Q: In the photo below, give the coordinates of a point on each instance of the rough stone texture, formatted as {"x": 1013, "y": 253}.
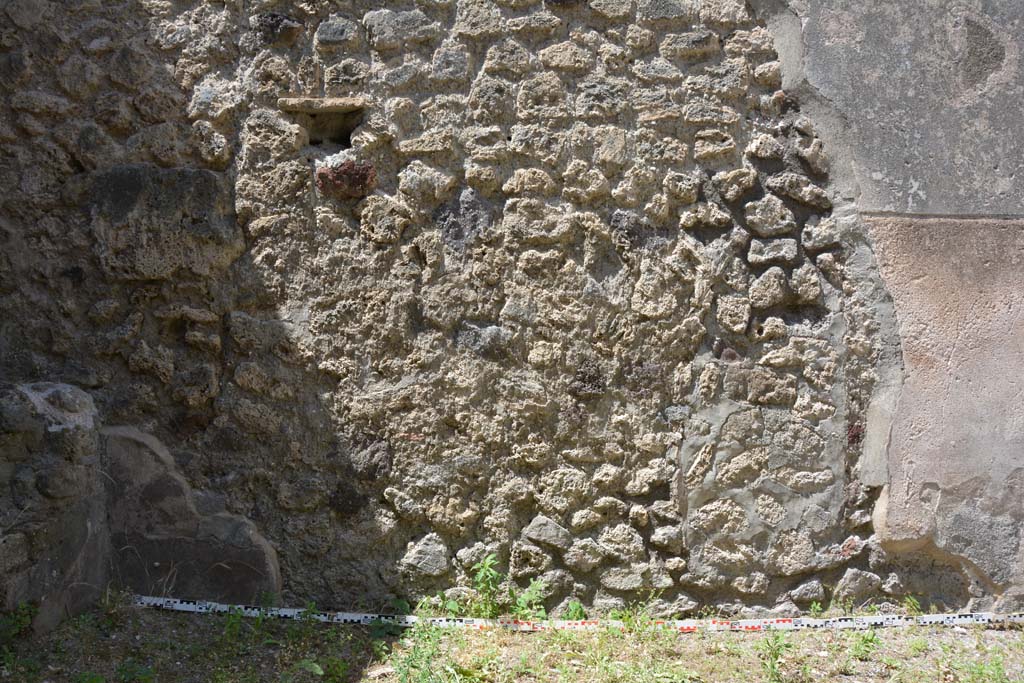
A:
{"x": 956, "y": 474}
{"x": 347, "y": 180}
{"x": 54, "y": 539}
{"x": 938, "y": 139}
{"x": 546, "y": 331}
{"x": 161, "y": 542}
{"x": 86, "y": 506}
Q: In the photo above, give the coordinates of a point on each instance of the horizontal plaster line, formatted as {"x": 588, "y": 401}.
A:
{"x": 944, "y": 216}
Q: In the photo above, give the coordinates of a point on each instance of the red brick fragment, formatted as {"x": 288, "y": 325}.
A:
{"x": 349, "y": 180}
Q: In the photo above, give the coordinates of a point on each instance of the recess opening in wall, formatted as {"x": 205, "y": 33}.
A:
{"x": 328, "y": 120}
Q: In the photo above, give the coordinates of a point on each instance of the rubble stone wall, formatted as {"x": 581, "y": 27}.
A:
{"x": 563, "y": 281}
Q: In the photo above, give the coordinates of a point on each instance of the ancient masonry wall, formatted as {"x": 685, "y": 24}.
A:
{"x": 564, "y": 281}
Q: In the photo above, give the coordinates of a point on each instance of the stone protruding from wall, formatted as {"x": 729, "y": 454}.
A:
{"x": 162, "y": 545}
{"x": 54, "y": 538}
{"x": 86, "y": 508}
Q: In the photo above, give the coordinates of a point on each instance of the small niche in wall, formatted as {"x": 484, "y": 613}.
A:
{"x": 328, "y": 120}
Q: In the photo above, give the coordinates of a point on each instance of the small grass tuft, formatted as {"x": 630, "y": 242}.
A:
{"x": 864, "y": 644}
{"x": 575, "y": 611}
{"x": 529, "y": 604}
{"x": 912, "y": 606}
{"x": 772, "y": 651}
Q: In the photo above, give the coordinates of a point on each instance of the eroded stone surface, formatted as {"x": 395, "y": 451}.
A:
{"x": 955, "y": 463}
{"x": 600, "y": 314}
{"x": 161, "y": 543}
{"x": 85, "y": 508}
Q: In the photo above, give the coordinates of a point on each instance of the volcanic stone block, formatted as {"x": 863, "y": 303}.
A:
{"x": 150, "y": 222}
{"x": 163, "y": 545}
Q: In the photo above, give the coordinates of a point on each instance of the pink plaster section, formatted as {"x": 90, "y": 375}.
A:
{"x": 956, "y": 448}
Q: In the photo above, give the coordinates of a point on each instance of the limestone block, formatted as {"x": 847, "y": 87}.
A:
{"x": 769, "y": 217}
{"x": 666, "y": 11}
{"x": 548, "y": 532}
{"x": 769, "y": 289}
{"x": 389, "y": 30}
{"x": 339, "y": 33}
{"x": 477, "y": 19}
{"x": 427, "y": 557}
{"x": 691, "y": 46}
{"x": 275, "y": 28}
{"x": 798, "y": 188}
{"x": 781, "y": 251}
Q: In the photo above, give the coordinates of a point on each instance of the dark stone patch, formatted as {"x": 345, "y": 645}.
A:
{"x": 854, "y": 434}
{"x": 336, "y": 32}
{"x": 346, "y": 499}
{"x": 599, "y": 98}
{"x": 983, "y": 54}
{"x": 117, "y": 190}
{"x": 588, "y": 381}
{"x": 274, "y": 28}
{"x": 487, "y": 341}
{"x": 74, "y": 273}
{"x": 464, "y": 219}
{"x": 636, "y": 231}
{"x": 150, "y": 221}
{"x": 334, "y": 128}
{"x": 373, "y": 462}
{"x": 15, "y": 67}
{"x": 192, "y": 569}
{"x": 629, "y": 227}
{"x": 161, "y": 489}
{"x": 643, "y": 376}
{"x": 350, "y": 180}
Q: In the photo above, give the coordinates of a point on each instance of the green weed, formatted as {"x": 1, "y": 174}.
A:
{"x": 486, "y": 582}
{"x": 771, "y": 651}
{"x": 917, "y": 646}
{"x": 864, "y": 645}
{"x": 912, "y": 606}
{"x": 400, "y": 606}
{"x": 708, "y": 612}
{"x": 131, "y": 671}
{"x": 635, "y": 618}
{"x": 384, "y": 629}
{"x": 89, "y": 677}
{"x": 114, "y": 607}
{"x": 984, "y": 671}
{"x": 529, "y": 605}
{"x": 843, "y": 605}
{"x": 574, "y": 611}
{"x": 15, "y": 624}
{"x": 308, "y": 666}
{"x": 380, "y": 649}
{"x": 232, "y": 628}
{"x": 335, "y": 670}
{"x": 419, "y": 659}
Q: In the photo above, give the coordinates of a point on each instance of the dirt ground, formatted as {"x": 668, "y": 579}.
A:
{"x": 118, "y": 643}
